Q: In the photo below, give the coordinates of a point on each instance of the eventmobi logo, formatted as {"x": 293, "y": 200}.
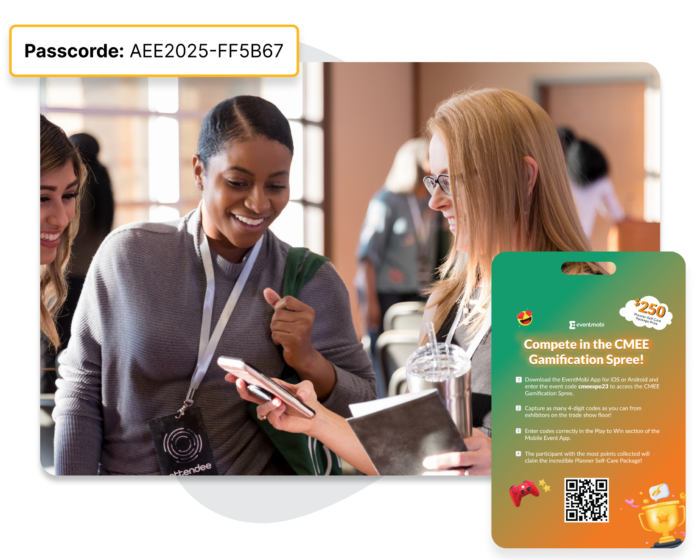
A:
{"x": 573, "y": 325}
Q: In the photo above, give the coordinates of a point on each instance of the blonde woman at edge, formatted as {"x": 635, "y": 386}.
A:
{"x": 62, "y": 175}
{"x": 498, "y": 176}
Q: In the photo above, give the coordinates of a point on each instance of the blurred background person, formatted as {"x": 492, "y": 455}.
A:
{"x": 399, "y": 248}
{"x": 588, "y": 171}
{"x": 96, "y": 217}
{"x": 566, "y": 137}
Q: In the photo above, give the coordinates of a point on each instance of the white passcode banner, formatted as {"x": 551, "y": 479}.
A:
{"x": 132, "y": 50}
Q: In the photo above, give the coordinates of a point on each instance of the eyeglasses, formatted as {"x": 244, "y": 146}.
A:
{"x": 432, "y": 182}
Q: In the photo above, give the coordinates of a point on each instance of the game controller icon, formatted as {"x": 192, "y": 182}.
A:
{"x": 517, "y": 492}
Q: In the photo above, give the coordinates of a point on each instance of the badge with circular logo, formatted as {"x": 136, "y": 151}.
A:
{"x": 182, "y": 445}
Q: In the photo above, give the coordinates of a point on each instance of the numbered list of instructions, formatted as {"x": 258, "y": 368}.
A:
{"x": 595, "y": 399}
{"x": 605, "y": 403}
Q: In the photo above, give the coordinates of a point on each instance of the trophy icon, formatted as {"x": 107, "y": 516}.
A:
{"x": 663, "y": 517}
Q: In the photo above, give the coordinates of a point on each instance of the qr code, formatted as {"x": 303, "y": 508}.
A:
{"x": 586, "y": 500}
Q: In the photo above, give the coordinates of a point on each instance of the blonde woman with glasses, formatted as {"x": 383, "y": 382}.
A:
{"x": 498, "y": 176}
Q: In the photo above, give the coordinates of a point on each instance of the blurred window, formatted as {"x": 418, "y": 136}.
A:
{"x": 148, "y": 128}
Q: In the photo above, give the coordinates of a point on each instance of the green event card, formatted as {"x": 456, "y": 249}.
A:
{"x": 588, "y": 402}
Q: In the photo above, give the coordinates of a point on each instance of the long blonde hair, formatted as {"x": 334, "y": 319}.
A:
{"x": 487, "y": 133}
{"x": 407, "y": 171}
{"x": 56, "y": 151}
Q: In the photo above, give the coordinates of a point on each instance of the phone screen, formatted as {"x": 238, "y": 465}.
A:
{"x": 260, "y": 392}
{"x": 283, "y": 390}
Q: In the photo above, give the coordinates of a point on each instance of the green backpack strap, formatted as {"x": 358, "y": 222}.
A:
{"x": 299, "y": 270}
{"x": 306, "y": 455}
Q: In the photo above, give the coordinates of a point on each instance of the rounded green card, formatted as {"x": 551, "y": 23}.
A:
{"x": 588, "y": 384}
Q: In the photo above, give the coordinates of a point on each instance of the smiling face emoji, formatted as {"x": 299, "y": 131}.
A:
{"x": 525, "y": 318}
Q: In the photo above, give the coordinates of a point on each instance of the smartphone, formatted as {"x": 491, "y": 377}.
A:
{"x": 252, "y": 377}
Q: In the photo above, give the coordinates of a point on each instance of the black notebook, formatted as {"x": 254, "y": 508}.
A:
{"x": 399, "y": 432}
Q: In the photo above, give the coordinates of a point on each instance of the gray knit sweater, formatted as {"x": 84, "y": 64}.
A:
{"x": 134, "y": 345}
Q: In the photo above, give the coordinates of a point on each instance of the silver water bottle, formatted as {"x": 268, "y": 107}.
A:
{"x": 450, "y": 373}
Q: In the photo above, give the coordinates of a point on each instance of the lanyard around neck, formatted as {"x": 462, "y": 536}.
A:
{"x": 207, "y": 344}
{"x": 421, "y": 226}
{"x": 477, "y": 339}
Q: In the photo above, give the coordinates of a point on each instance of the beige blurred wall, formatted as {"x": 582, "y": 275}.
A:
{"x": 370, "y": 113}
{"x": 438, "y": 81}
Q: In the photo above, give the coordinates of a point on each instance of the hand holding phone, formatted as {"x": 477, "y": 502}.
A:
{"x": 253, "y": 378}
